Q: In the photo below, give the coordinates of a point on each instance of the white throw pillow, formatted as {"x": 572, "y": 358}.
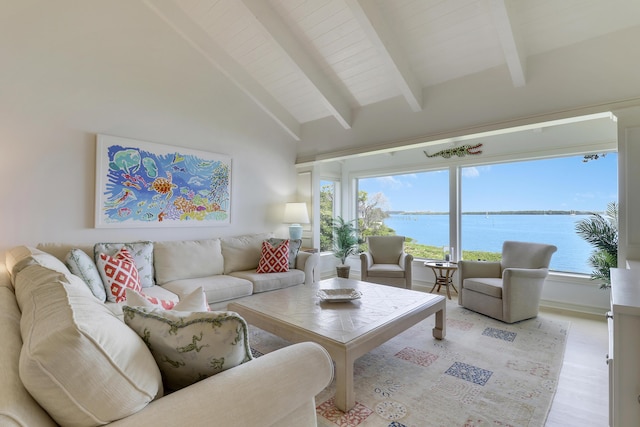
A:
{"x": 189, "y": 347}
{"x": 195, "y": 301}
{"x": 83, "y": 266}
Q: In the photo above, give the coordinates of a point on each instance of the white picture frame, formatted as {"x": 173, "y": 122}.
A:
{"x": 145, "y": 184}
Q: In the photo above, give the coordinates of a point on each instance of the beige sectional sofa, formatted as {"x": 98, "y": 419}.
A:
{"x": 68, "y": 359}
{"x": 224, "y": 267}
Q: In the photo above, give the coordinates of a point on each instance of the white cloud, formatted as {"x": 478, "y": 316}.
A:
{"x": 392, "y": 182}
{"x": 471, "y": 172}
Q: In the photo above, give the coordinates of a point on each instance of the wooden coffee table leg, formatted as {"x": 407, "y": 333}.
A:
{"x": 345, "y": 397}
{"x": 440, "y": 331}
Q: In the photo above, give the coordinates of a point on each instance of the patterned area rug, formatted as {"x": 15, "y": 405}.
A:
{"x": 485, "y": 373}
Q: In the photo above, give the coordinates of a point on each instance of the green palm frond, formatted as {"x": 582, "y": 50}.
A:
{"x": 601, "y": 231}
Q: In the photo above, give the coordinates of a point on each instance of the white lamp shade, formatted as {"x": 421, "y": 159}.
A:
{"x": 296, "y": 214}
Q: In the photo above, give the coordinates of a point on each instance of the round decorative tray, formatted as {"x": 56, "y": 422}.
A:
{"x": 339, "y": 295}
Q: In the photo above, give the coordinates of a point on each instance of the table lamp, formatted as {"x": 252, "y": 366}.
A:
{"x": 296, "y": 214}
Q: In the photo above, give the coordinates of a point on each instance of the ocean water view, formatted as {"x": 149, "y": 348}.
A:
{"x": 488, "y": 232}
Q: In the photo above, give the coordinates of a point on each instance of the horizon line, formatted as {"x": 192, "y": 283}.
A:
{"x": 508, "y": 212}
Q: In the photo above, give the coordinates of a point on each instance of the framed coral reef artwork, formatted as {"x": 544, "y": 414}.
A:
{"x": 144, "y": 184}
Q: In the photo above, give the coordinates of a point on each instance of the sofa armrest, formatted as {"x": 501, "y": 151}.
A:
{"x": 267, "y": 391}
{"x": 308, "y": 262}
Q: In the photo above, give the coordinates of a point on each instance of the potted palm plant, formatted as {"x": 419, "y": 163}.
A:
{"x": 601, "y": 231}
{"x": 345, "y": 243}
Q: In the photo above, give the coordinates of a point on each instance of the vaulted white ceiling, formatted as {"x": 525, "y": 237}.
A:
{"x": 305, "y": 60}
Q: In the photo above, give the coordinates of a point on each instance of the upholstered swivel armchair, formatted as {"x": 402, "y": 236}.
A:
{"x": 508, "y": 290}
{"x": 386, "y": 262}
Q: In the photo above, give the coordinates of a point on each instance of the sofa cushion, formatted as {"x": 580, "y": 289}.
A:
{"x": 216, "y": 288}
{"x": 60, "y": 250}
{"x": 17, "y": 407}
{"x": 386, "y": 270}
{"x": 294, "y": 248}
{"x": 81, "y": 363}
{"x": 263, "y": 282}
{"x": 142, "y": 253}
{"x": 189, "y": 347}
{"x": 83, "y": 266}
{"x": 274, "y": 259}
{"x": 486, "y": 285}
{"x": 187, "y": 259}
{"x": 118, "y": 273}
{"x": 195, "y": 301}
{"x": 242, "y": 252}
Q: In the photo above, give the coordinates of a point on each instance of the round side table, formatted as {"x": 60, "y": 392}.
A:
{"x": 444, "y": 275}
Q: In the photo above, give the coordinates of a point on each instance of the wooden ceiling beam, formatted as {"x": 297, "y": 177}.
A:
{"x": 371, "y": 21}
{"x": 276, "y": 30}
{"x": 175, "y": 17}
{"x": 512, "y": 49}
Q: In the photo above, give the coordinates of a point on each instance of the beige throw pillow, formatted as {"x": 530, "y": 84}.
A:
{"x": 82, "y": 364}
{"x": 242, "y": 252}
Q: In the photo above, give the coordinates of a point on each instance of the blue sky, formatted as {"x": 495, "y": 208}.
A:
{"x": 553, "y": 184}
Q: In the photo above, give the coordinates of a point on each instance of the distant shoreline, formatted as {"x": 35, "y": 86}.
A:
{"x": 549, "y": 212}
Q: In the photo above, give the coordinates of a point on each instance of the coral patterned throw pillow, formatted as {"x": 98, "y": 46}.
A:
{"x": 119, "y": 272}
{"x": 274, "y": 259}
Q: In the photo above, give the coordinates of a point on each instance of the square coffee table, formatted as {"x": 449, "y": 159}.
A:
{"x": 348, "y": 329}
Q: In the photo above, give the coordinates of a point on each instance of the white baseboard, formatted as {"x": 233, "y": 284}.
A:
{"x": 595, "y": 312}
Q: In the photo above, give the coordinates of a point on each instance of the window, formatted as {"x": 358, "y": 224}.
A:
{"x": 413, "y": 205}
{"x": 536, "y": 201}
{"x": 328, "y": 197}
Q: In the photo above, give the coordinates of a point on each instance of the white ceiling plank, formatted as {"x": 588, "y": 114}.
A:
{"x": 513, "y": 52}
{"x": 276, "y": 29}
{"x": 175, "y": 17}
{"x": 374, "y": 26}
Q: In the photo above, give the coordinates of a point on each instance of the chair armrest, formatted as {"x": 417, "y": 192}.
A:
{"x": 366, "y": 261}
{"x": 478, "y": 269}
{"x": 308, "y": 262}
{"x": 509, "y": 274}
{"x": 405, "y": 260}
{"x": 258, "y": 393}
{"x": 521, "y": 292}
{"x": 522, "y": 283}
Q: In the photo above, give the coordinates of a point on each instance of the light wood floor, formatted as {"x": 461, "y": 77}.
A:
{"x": 582, "y": 397}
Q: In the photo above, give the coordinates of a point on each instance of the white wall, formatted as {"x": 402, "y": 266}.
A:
{"x": 48, "y": 176}
{"x": 116, "y": 68}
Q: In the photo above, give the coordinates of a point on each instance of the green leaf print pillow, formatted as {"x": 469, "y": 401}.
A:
{"x": 190, "y": 346}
